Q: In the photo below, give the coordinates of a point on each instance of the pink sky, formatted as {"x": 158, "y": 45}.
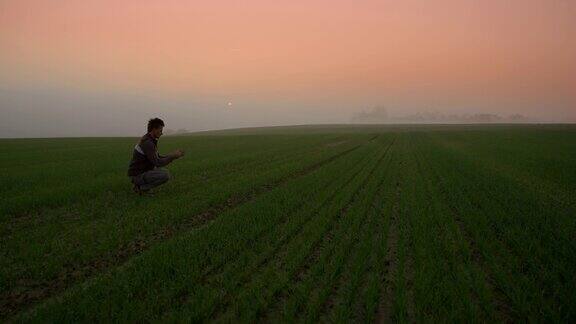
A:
{"x": 488, "y": 55}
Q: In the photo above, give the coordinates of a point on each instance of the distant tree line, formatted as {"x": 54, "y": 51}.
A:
{"x": 463, "y": 118}
{"x": 379, "y": 114}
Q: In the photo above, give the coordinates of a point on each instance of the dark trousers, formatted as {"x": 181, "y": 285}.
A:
{"x": 151, "y": 179}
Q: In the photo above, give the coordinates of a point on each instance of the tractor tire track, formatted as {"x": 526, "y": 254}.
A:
{"x": 498, "y": 233}
{"x": 407, "y": 239}
{"x": 216, "y": 270}
{"x": 277, "y": 254}
{"x": 500, "y": 301}
{"x": 263, "y": 161}
{"x": 360, "y": 311}
{"x": 284, "y": 219}
{"x": 330, "y": 301}
{"x": 342, "y": 272}
{"x": 320, "y": 245}
{"x": 409, "y": 274}
{"x": 314, "y": 256}
{"x": 29, "y": 293}
{"x": 384, "y": 311}
{"x": 303, "y": 273}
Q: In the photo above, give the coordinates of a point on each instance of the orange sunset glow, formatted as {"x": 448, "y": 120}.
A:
{"x": 220, "y": 63}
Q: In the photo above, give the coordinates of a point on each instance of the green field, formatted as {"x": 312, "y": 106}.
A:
{"x": 331, "y": 224}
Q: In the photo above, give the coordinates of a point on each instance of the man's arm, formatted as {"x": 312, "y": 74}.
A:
{"x": 153, "y": 156}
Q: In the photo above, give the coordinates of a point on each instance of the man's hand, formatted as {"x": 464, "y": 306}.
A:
{"x": 177, "y": 154}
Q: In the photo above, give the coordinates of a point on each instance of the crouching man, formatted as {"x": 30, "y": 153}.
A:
{"x": 145, "y": 169}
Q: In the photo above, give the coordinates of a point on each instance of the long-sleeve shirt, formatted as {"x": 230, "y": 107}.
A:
{"x": 145, "y": 156}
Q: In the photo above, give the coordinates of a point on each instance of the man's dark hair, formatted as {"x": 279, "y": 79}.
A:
{"x": 155, "y": 123}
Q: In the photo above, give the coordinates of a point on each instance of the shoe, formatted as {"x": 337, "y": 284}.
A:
{"x": 148, "y": 193}
{"x": 137, "y": 190}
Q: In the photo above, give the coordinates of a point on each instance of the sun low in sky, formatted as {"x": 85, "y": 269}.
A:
{"x": 284, "y": 61}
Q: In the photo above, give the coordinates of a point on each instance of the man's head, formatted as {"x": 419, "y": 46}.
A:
{"x": 155, "y": 126}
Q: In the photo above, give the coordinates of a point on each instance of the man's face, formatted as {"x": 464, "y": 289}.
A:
{"x": 157, "y": 132}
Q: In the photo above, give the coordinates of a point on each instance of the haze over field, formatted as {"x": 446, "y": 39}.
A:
{"x": 101, "y": 68}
